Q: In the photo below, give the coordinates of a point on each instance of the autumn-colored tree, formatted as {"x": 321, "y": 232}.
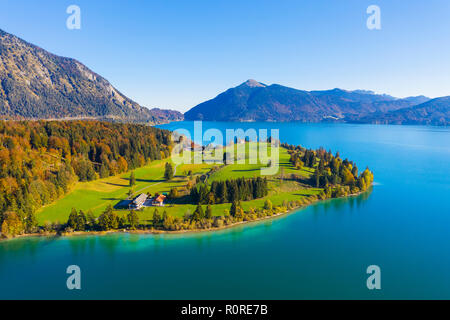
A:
{"x": 12, "y": 225}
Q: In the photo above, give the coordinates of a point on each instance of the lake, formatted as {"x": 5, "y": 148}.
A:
{"x": 322, "y": 252}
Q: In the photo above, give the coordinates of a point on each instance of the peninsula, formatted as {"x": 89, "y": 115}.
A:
{"x": 90, "y": 176}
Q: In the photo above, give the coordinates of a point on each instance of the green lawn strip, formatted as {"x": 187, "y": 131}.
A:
{"x": 96, "y": 195}
{"x": 146, "y": 214}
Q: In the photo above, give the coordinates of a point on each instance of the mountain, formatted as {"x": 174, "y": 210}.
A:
{"x": 164, "y": 115}
{"x": 433, "y": 112}
{"x": 255, "y": 101}
{"x": 36, "y": 84}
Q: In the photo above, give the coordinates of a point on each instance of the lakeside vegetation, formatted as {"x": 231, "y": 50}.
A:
{"x": 41, "y": 161}
{"x": 203, "y": 196}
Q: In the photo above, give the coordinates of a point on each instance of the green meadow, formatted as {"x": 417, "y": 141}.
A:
{"x": 99, "y": 194}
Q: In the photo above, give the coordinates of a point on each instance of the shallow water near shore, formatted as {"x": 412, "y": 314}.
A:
{"x": 320, "y": 252}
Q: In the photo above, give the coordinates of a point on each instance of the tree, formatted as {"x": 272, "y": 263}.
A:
{"x": 123, "y": 222}
{"x": 81, "y": 221}
{"x": 31, "y": 224}
{"x": 73, "y": 220}
{"x": 108, "y": 220}
{"x": 91, "y": 220}
{"x": 12, "y": 225}
{"x": 168, "y": 173}
{"x": 268, "y": 205}
{"x": 132, "y": 179}
{"x": 240, "y": 214}
{"x": 173, "y": 193}
{"x": 156, "y": 218}
{"x": 208, "y": 214}
{"x": 198, "y": 215}
{"x": 317, "y": 178}
{"x": 234, "y": 208}
{"x": 299, "y": 164}
{"x": 133, "y": 220}
{"x": 355, "y": 171}
{"x": 227, "y": 158}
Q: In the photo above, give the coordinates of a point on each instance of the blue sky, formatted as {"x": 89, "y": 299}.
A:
{"x": 176, "y": 54}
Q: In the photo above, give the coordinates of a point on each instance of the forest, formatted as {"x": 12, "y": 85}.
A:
{"x": 336, "y": 176}
{"x": 41, "y": 160}
{"x": 231, "y": 190}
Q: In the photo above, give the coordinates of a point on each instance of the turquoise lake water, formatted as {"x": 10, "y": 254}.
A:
{"x": 321, "y": 252}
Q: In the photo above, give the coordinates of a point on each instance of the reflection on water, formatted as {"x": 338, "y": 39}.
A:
{"x": 116, "y": 242}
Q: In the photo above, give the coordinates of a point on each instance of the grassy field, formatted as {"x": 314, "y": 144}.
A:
{"x": 97, "y": 195}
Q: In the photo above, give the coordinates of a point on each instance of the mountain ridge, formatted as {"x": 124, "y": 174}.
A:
{"x": 255, "y": 101}
{"x": 37, "y": 84}
{"x": 433, "y": 112}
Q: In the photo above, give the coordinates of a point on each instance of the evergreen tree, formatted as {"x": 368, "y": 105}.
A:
{"x": 91, "y": 220}
{"x": 317, "y": 179}
{"x": 132, "y": 179}
{"x": 208, "y": 214}
{"x": 164, "y": 216}
{"x": 73, "y": 219}
{"x": 31, "y": 224}
{"x": 168, "y": 173}
{"x": 198, "y": 215}
{"x": 133, "y": 220}
{"x": 234, "y": 208}
{"x": 122, "y": 222}
{"x": 156, "y": 218}
{"x": 81, "y": 221}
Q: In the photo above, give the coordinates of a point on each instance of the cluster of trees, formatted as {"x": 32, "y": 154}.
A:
{"x": 229, "y": 191}
{"x": 338, "y": 177}
{"x": 108, "y": 220}
{"x": 41, "y": 160}
{"x": 202, "y": 217}
{"x": 301, "y": 157}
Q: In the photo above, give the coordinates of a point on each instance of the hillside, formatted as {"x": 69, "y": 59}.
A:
{"x": 35, "y": 84}
{"x": 40, "y": 161}
{"x": 255, "y": 101}
{"x": 433, "y": 112}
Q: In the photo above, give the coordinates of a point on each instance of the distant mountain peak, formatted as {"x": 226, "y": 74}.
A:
{"x": 255, "y": 101}
{"x": 253, "y": 84}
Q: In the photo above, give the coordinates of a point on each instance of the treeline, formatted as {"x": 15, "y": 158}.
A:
{"x": 201, "y": 218}
{"x": 338, "y": 177}
{"x": 108, "y": 220}
{"x": 40, "y": 160}
{"x": 229, "y": 191}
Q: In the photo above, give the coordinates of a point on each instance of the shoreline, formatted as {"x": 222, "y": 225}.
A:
{"x": 157, "y": 232}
